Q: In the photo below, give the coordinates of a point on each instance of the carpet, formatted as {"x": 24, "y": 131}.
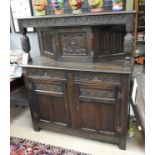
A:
{"x": 20, "y": 146}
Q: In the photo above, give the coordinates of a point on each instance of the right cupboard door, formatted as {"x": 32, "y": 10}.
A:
{"x": 97, "y": 107}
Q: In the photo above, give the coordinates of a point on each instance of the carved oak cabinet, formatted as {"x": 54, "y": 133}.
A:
{"x": 81, "y": 81}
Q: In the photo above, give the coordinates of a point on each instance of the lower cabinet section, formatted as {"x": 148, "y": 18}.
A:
{"x": 95, "y": 108}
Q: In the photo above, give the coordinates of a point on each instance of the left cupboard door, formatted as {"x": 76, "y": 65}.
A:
{"x": 49, "y": 102}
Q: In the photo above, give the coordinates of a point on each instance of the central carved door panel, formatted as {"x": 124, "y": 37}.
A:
{"x": 73, "y": 43}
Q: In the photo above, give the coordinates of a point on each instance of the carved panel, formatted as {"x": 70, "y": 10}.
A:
{"x": 97, "y": 77}
{"x": 45, "y": 73}
{"x": 70, "y": 20}
{"x": 73, "y": 44}
{"x": 97, "y": 93}
{"x": 47, "y": 41}
{"x": 111, "y": 40}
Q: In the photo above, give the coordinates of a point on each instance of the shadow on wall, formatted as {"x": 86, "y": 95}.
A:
{"x": 16, "y": 45}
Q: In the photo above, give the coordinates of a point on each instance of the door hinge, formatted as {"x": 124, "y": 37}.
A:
{"x": 119, "y": 129}
{"x": 120, "y": 96}
{"x": 91, "y": 35}
{"x": 35, "y": 115}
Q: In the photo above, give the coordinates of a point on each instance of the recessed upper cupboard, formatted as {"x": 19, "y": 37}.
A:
{"x": 82, "y": 44}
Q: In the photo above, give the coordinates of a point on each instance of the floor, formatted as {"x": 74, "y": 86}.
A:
{"x": 21, "y": 126}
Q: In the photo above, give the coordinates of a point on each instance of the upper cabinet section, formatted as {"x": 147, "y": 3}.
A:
{"x": 86, "y": 35}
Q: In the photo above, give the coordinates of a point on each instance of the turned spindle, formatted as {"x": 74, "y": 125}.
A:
{"x": 25, "y": 43}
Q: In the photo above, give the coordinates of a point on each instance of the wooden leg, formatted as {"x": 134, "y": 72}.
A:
{"x": 122, "y": 144}
{"x": 35, "y": 125}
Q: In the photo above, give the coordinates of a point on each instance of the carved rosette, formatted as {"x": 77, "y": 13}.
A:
{"x": 73, "y": 44}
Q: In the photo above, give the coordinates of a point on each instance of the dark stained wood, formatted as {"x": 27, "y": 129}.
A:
{"x": 108, "y": 42}
{"x": 106, "y": 137}
{"x": 45, "y": 63}
{"x": 72, "y": 43}
{"x": 81, "y": 44}
{"x": 46, "y": 42}
{"x": 94, "y": 105}
{"x": 80, "y": 83}
{"x": 103, "y": 18}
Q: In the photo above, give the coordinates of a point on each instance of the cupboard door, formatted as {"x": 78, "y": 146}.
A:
{"x": 46, "y": 42}
{"x": 97, "y": 107}
{"x": 74, "y": 44}
{"x": 51, "y": 101}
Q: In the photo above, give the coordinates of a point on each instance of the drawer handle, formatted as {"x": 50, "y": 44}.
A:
{"x": 119, "y": 129}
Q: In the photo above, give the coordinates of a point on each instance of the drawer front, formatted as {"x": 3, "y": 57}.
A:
{"x": 96, "y": 77}
{"x": 46, "y": 73}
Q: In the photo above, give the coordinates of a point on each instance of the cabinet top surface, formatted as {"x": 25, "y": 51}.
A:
{"x": 118, "y": 67}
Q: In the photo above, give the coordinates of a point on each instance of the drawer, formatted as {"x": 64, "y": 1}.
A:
{"x": 46, "y": 74}
{"x": 93, "y": 77}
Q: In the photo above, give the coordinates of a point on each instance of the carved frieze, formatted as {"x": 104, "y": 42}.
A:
{"x": 73, "y": 44}
{"x": 97, "y": 77}
{"x": 45, "y": 73}
{"x": 70, "y": 20}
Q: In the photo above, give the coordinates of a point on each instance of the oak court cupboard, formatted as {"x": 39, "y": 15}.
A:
{"x": 80, "y": 83}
